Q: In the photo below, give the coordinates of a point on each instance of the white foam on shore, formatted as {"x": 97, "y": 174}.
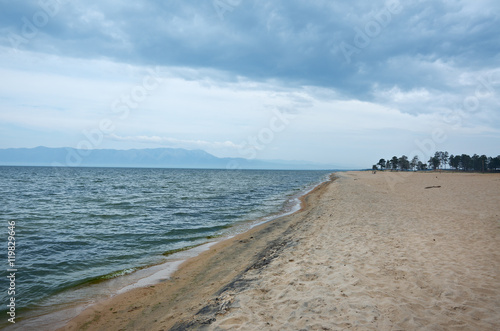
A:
{"x": 163, "y": 271}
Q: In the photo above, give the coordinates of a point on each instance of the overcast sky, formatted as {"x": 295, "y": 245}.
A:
{"x": 338, "y": 82}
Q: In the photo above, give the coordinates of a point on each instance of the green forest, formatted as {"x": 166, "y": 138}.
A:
{"x": 441, "y": 161}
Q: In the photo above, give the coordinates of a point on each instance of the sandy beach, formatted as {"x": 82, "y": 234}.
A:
{"x": 384, "y": 251}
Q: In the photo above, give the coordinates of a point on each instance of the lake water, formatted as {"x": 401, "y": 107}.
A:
{"x": 78, "y": 227}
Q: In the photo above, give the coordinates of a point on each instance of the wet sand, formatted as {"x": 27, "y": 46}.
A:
{"x": 385, "y": 251}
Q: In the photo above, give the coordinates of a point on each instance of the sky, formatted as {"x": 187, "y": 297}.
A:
{"x": 332, "y": 82}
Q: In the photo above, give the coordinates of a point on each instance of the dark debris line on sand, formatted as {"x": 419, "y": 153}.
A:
{"x": 225, "y": 296}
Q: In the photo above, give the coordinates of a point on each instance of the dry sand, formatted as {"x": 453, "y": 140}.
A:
{"x": 367, "y": 252}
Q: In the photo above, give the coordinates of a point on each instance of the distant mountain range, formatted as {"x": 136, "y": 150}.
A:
{"x": 141, "y": 158}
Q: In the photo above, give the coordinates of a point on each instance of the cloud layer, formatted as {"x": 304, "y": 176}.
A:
{"x": 226, "y": 64}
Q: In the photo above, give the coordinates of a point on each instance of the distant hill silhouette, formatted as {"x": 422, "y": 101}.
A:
{"x": 147, "y": 158}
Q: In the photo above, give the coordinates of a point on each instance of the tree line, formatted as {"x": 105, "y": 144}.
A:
{"x": 441, "y": 160}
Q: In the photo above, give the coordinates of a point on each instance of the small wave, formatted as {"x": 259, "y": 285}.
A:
{"x": 119, "y": 273}
{"x": 89, "y": 281}
{"x": 112, "y": 216}
{"x": 183, "y": 213}
{"x": 182, "y": 249}
{"x": 121, "y": 204}
{"x": 183, "y": 232}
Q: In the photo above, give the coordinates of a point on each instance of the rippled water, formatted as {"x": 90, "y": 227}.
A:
{"x": 76, "y": 226}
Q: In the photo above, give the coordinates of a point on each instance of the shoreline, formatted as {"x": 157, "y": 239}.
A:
{"x": 365, "y": 251}
{"x": 151, "y": 275}
{"x": 194, "y": 269}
